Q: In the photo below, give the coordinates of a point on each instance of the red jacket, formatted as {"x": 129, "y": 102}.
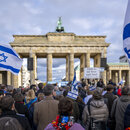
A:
{"x": 119, "y": 92}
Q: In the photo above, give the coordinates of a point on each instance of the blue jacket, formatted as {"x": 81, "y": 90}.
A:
{"x": 31, "y": 102}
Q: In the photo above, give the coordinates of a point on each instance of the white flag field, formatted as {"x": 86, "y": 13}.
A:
{"x": 9, "y": 59}
{"x": 126, "y": 33}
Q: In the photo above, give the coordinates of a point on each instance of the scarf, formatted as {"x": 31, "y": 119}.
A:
{"x": 63, "y": 122}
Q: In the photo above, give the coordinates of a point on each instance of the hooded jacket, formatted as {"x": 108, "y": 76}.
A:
{"x": 99, "y": 112}
{"x": 122, "y": 104}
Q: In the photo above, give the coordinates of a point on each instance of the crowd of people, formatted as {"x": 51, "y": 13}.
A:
{"x": 48, "y": 107}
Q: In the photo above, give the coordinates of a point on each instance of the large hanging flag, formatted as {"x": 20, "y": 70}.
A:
{"x": 126, "y": 33}
{"x": 9, "y": 59}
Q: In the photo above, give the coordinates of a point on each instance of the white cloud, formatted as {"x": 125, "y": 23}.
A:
{"x": 84, "y": 17}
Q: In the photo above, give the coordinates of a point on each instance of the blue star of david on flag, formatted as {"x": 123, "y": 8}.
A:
{"x": 9, "y": 59}
{"x": 3, "y": 57}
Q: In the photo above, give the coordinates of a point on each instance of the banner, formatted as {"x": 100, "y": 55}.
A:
{"x": 91, "y": 73}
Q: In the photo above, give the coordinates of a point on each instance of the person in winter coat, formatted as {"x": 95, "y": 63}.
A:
{"x": 8, "y": 110}
{"x": 100, "y": 83}
{"x": 30, "y": 101}
{"x": 127, "y": 118}
{"x": 46, "y": 110}
{"x": 40, "y": 86}
{"x": 81, "y": 106}
{"x": 110, "y": 97}
{"x": 121, "y": 105}
{"x": 98, "y": 110}
{"x": 64, "y": 121}
{"x": 30, "y": 98}
{"x": 19, "y": 105}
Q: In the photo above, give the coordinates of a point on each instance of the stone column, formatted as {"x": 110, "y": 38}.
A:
{"x": 49, "y": 67}
{"x": 104, "y": 77}
{"x": 116, "y": 77}
{"x": 82, "y": 65}
{"x": 128, "y": 78}
{"x": 8, "y": 78}
{"x": 87, "y": 60}
{"x": 97, "y": 60}
{"x": 110, "y": 74}
{"x": 34, "y": 72}
{"x": 1, "y": 78}
{"x": 120, "y": 76}
{"x": 15, "y": 81}
{"x": 67, "y": 68}
{"x": 71, "y": 66}
{"x": 20, "y": 78}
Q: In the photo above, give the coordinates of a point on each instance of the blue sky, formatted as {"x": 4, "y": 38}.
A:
{"x": 82, "y": 17}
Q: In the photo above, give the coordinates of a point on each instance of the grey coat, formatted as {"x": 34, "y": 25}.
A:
{"x": 99, "y": 112}
{"x": 120, "y": 105}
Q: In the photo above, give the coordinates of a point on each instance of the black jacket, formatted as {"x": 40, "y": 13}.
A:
{"x": 22, "y": 109}
{"x": 22, "y": 119}
{"x": 127, "y": 117}
{"x": 110, "y": 98}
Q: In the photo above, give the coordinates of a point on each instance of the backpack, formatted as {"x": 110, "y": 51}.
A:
{"x": 10, "y": 123}
{"x": 100, "y": 125}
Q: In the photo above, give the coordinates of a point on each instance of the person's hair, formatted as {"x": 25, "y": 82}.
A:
{"x": 65, "y": 107}
{"x": 33, "y": 86}
{"x": 110, "y": 87}
{"x": 58, "y": 97}
{"x": 2, "y": 86}
{"x": 6, "y": 102}
{"x": 48, "y": 89}
{"x": 79, "y": 100}
{"x": 18, "y": 97}
{"x": 10, "y": 88}
{"x": 65, "y": 93}
{"x": 30, "y": 95}
{"x": 97, "y": 95}
{"x": 125, "y": 91}
{"x": 40, "y": 97}
{"x": 40, "y": 85}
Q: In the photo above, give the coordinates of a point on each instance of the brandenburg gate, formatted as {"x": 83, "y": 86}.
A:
{"x": 59, "y": 45}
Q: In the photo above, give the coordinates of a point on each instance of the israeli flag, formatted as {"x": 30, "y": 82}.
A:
{"x": 73, "y": 94}
{"x": 126, "y": 33}
{"x": 74, "y": 83}
{"x": 9, "y": 59}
